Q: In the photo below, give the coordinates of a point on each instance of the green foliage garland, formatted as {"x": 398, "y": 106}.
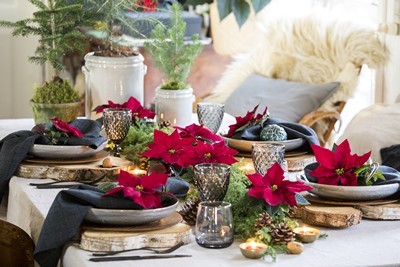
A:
{"x": 170, "y": 53}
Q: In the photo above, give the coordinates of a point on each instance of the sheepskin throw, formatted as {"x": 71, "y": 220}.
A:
{"x": 307, "y": 49}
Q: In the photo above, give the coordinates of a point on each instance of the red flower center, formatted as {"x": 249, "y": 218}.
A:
{"x": 339, "y": 171}
{"x": 171, "y": 151}
{"x": 139, "y": 188}
{"x": 207, "y": 155}
{"x": 274, "y": 187}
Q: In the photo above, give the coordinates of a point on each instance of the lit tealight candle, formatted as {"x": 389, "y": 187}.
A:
{"x": 138, "y": 172}
{"x": 253, "y": 250}
{"x": 306, "y": 234}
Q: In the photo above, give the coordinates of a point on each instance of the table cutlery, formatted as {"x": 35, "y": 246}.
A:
{"x": 56, "y": 184}
{"x": 133, "y": 258}
{"x": 164, "y": 251}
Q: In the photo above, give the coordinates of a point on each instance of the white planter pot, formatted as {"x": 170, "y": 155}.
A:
{"x": 174, "y": 106}
{"x": 112, "y": 78}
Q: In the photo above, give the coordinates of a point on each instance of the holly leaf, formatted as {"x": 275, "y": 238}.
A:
{"x": 224, "y": 8}
{"x": 241, "y": 10}
{"x": 258, "y": 5}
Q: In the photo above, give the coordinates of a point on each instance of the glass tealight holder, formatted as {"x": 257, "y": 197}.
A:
{"x": 117, "y": 122}
{"x": 214, "y": 224}
{"x": 212, "y": 180}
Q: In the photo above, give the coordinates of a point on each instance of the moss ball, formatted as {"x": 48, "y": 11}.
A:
{"x": 273, "y": 132}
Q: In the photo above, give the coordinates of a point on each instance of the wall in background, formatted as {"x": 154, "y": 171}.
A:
{"x": 17, "y": 75}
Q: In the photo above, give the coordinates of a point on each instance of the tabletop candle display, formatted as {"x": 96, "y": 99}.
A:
{"x": 253, "y": 250}
{"x": 307, "y": 234}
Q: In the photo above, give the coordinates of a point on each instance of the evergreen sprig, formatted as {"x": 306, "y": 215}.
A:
{"x": 171, "y": 53}
{"x": 57, "y": 24}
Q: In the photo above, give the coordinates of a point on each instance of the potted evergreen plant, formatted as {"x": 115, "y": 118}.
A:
{"x": 115, "y": 72}
{"x": 57, "y": 25}
{"x": 174, "y": 56}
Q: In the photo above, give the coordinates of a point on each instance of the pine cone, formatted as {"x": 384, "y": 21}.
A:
{"x": 189, "y": 211}
{"x": 263, "y": 220}
{"x": 144, "y": 163}
{"x": 282, "y": 234}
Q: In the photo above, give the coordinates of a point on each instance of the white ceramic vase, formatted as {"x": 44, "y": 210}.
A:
{"x": 174, "y": 106}
{"x": 112, "y": 78}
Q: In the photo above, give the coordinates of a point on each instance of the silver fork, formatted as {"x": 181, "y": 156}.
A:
{"x": 157, "y": 251}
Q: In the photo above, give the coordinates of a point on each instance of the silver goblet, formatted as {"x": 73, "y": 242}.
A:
{"x": 211, "y": 115}
{"x": 116, "y": 122}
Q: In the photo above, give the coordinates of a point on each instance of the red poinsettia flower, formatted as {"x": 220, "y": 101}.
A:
{"x": 208, "y": 153}
{"x": 248, "y": 120}
{"x": 146, "y": 5}
{"x": 133, "y": 104}
{"x": 167, "y": 147}
{"x": 337, "y": 167}
{"x": 198, "y": 131}
{"x": 142, "y": 190}
{"x": 273, "y": 188}
{"x": 66, "y": 128}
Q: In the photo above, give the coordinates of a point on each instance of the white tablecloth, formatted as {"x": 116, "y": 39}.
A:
{"x": 371, "y": 243}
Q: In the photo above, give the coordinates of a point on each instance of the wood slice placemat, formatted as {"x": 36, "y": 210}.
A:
{"x": 94, "y": 240}
{"x": 72, "y": 172}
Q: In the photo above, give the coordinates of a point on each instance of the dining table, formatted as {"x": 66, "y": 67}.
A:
{"x": 370, "y": 243}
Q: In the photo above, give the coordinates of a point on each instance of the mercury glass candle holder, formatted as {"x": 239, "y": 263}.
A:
{"x": 116, "y": 122}
{"x": 265, "y": 155}
{"x": 214, "y": 224}
{"x": 211, "y": 115}
{"x": 212, "y": 180}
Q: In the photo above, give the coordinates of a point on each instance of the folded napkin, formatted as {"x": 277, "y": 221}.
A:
{"x": 293, "y": 130}
{"x": 68, "y": 211}
{"x": 391, "y": 156}
{"x": 391, "y": 175}
{"x": 15, "y": 146}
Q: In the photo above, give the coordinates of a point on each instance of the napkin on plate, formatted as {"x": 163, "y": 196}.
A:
{"x": 15, "y": 146}
{"x": 391, "y": 175}
{"x": 293, "y": 130}
{"x": 66, "y": 215}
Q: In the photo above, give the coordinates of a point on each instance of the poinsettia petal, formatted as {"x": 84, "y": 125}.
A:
{"x": 348, "y": 179}
{"x": 275, "y": 174}
{"x": 342, "y": 154}
{"x": 329, "y": 180}
{"x": 295, "y": 186}
{"x": 257, "y": 180}
{"x": 289, "y": 198}
{"x": 127, "y": 179}
{"x": 257, "y": 192}
{"x": 154, "y": 180}
{"x": 131, "y": 192}
{"x": 324, "y": 156}
{"x": 322, "y": 171}
{"x": 271, "y": 197}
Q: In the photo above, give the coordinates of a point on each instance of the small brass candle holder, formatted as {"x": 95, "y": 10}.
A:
{"x": 306, "y": 234}
{"x": 253, "y": 250}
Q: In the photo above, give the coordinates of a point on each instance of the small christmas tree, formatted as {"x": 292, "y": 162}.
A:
{"x": 171, "y": 53}
{"x": 57, "y": 24}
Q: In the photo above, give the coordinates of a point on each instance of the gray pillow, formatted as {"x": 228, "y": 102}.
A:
{"x": 285, "y": 100}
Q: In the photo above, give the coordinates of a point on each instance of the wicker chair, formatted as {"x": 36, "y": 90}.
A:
{"x": 16, "y": 247}
{"x": 313, "y": 50}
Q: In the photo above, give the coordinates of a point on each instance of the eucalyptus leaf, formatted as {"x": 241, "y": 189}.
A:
{"x": 241, "y": 10}
{"x": 300, "y": 200}
{"x": 258, "y": 5}
{"x": 224, "y": 8}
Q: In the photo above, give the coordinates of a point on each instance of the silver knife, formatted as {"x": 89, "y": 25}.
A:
{"x": 134, "y": 258}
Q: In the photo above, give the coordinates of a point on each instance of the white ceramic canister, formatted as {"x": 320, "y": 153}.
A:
{"x": 112, "y": 78}
{"x": 174, "y": 106}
